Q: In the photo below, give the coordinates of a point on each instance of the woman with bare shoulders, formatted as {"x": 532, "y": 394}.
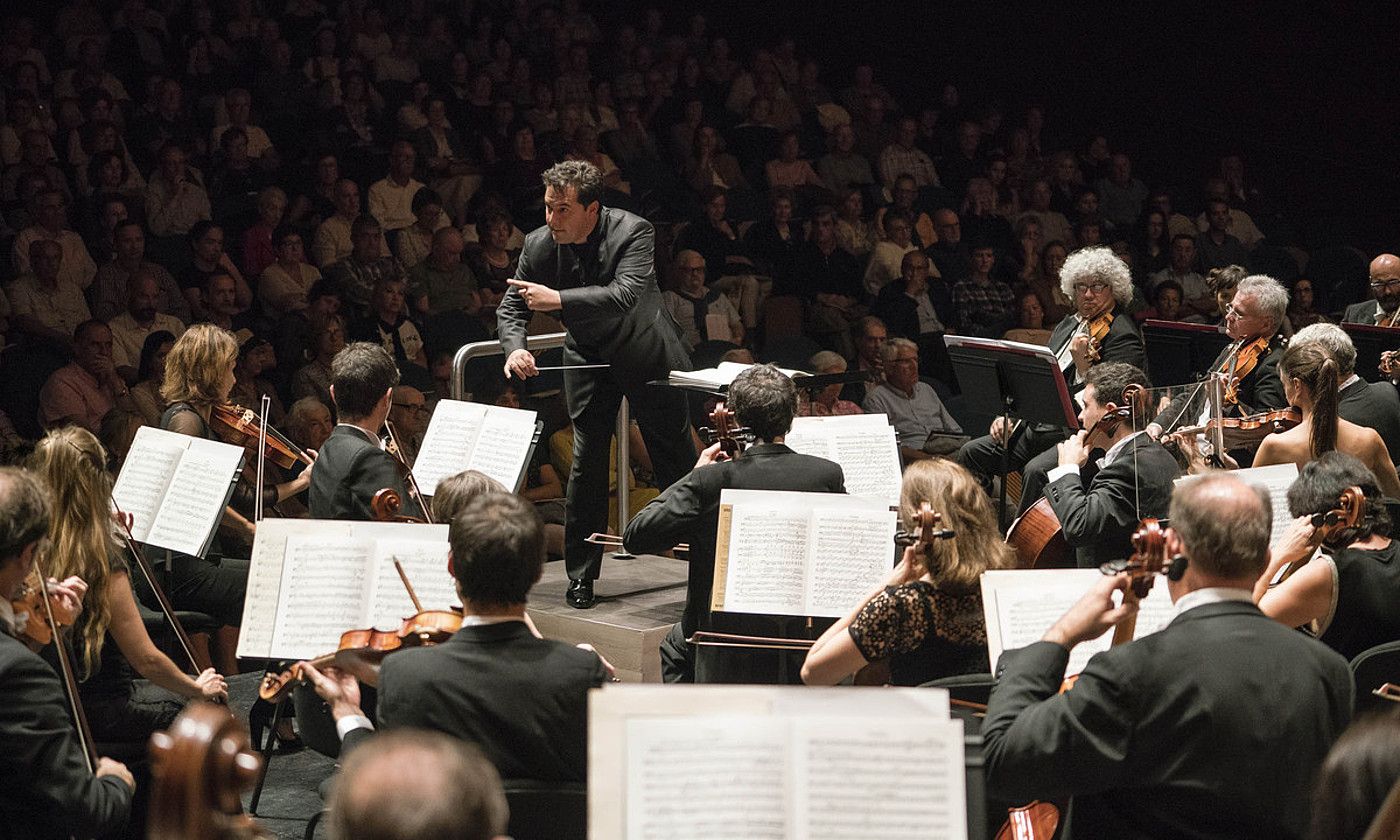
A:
{"x": 1310, "y": 381}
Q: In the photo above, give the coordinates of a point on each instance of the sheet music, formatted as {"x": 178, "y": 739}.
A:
{"x": 1021, "y": 605}
{"x": 1275, "y": 478}
{"x": 842, "y": 774}
{"x": 195, "y": 498}
{"x": 145, "y": 474}
{"x": 721, "y": 376}
{"x": 692, "y": 778}
{"x": 425, "y": 563}
{"x": 311, "y": 580}
{"x": 783, "y": 762}
{"x": 793, "y": 553}
{"x": 465, "y": 435}
{"x": 325, "y": 581}
{"x": 865, "y": 445}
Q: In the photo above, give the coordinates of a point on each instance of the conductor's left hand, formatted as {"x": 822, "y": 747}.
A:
{"x": 537, "y": 297}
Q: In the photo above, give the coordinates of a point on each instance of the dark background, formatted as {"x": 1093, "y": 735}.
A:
{"x": 1307, "y": 92}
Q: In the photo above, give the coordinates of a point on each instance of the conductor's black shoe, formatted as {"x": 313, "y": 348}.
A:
{"x": 580, "y": 594}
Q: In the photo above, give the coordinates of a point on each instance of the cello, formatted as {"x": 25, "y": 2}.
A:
{"x": 199, "y": 766}
{"x": 1348, "y": 512}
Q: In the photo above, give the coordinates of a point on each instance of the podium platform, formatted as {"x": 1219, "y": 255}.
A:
{"x": 638, "y": 601}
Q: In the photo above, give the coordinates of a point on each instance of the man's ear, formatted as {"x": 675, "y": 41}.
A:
{"x": 451, "y": 564}
{"x": 333, "y": 399}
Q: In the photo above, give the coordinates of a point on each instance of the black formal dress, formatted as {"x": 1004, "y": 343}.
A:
{"x": 46, "y": 788}
{"x": 1101, "y": 506}
{"x": 350, "y": 469}
{"x": 1033, "y": 448}
{"x": 688, "y": 511}
{"x": 1375, "y": 405}
{"x": 523, "y": 700}
{"x": 612, "y": 310}
{"x": 1213, "y": 727}
{"x": 923, "y": 631}
{"x": 1366, "y": 586}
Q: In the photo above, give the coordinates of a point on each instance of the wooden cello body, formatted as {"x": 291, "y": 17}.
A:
{"x": 1039, "y": 540}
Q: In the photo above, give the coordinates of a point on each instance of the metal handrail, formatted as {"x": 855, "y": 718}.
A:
{"x": 549, "y": 341}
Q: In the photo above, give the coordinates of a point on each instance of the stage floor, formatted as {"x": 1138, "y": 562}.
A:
{"x": 638, "y": 601}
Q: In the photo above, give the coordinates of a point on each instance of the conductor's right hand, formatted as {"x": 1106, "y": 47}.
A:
{"x": 521, "y": 364}
{"x": 108, "y": 767}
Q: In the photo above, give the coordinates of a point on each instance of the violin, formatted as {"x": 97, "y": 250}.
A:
{"x": 726, "y": 431}
{"x": 391, "y": 446}
{"x": 1098, "y": 331}
{"x": 30, "y": 609}
{"x": 1036, "y": 821}
{"x": 1348, "y": 512}
{"x": 241, "y": 427}
{"x": 1245, "y": 358}
{"x": 1244, "y": 432}
{"x": 199, "y": 768}
{"x": 920, "y": 537}
{"x": 360, "y": 651}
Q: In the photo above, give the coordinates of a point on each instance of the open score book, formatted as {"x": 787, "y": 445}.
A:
{"x": 490, "y": 439}
{"x": 176, "y": 487}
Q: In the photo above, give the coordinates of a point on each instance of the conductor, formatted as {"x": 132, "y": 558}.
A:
{"x": 595, "y": 268}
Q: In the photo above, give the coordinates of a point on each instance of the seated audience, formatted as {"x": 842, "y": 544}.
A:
{"x": 703, "y": 314}
{"x": 356, "y": 276}
{"x": 48, "y": 209}
{"x": 285, "y": 282}
{"x": 826, "y": 401}
{"x": 140, "y": 320}
{"x": 107, "y": 296}
{"x": 44, "y": 307}
{"x": 150, "y": 373}
{"x": 924, "y": 427}
{"x": 83, "y": 391}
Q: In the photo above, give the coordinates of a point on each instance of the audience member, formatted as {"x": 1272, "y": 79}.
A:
{"x": 704, "y": 314}
{"x": 107, "y": 295}
{"x": 48, "y": 210}
{"x": 83, "y": 391}
{"x": 924, "y": 426}
{"x": 141, "y": 318}
{"x": 44, "y": 306}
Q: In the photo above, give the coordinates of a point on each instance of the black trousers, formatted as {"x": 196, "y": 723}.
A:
{"x": 660, "y": 411}
{"x": 214, "y": 586}
{"x": 1032, "y": 452}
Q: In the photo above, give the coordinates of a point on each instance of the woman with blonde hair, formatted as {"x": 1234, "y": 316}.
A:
{"x": 199, "y": 374}
{"x": 110, "y": 638}
{"x": 926, "y": 618}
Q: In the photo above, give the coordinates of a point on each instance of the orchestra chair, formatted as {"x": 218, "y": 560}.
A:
{"x": 547, "y": 810}
{"x": 315, "y": 727}
{"x": 200, "y": 627}
{"x": 969, "y": 688}
{"x": 1371, "y": 669}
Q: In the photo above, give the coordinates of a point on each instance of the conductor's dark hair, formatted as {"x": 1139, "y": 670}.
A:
{"x": 764, "y": 400}
{"x": 1320, "y": 485}
{"x": 1356, "y": 777}
{"x": 24, "y": 511}
{"x": 410, "y": 783}
{"x": 579, "y": 174}
{"x": 1111, "y": 378}
{"x": 361, "y": 374}
{"x": 497, "y": 544}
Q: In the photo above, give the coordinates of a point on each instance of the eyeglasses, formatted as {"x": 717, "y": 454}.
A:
{"x": 1380, "y": 285}
{"x": 1096, "y": 288}
{"x": 1237, "y": 312}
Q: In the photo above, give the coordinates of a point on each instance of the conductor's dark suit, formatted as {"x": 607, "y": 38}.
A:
{"x": 46, "y": 789}
{"x": 1211, "y": 728}
{"x": 1032, "y": 451}
{"x": 611, "y": 307}
{"x": 523, "y": 700}
{"x": 1373, "y": 404}
{"x": 1100, "y": 508}
{"x": 688, "y": 511}
{"x": 350, "y": 469}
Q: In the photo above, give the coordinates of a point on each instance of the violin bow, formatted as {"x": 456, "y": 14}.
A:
{"x": 262, "y": 456}
{"x": 70, "y": 680}
{"x": 149, "y": 574}
{"x": 412, "y": 596}
{"x": 409, "y": 479}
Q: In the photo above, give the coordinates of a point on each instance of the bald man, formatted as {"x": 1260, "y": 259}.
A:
{"x": 1384, "y": 310}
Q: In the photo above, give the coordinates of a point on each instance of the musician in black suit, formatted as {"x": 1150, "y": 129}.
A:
{"x": 522, "y": 699}
{"x": 1384, "y": 310}
{"x": 1099, "y": 505}
{"x": 595, "y": 268}
{"x": 1372, "y": 404}
{"x": 1252, "y": 319}
{"x": 763, "y": 401}
{"x": 1101, "y": 286}
{"x": 352, "y": 465}
{"x": 46, "y": 788}
{"x": 1212, "y": 727}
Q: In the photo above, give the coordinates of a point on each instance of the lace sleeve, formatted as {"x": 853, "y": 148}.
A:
{"x": 895, "y": 621}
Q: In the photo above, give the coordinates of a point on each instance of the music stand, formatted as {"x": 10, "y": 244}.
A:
{"x": 1021, "y": 382}
{"x": 1180, "y": 353}
{"x": 1370, "y": 342}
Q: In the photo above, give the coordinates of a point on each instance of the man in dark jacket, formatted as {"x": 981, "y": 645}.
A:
{"x": 595, "y": 268}
{"x": 1212, "y": 727}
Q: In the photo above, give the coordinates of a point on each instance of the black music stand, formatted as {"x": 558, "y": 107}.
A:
{"x": 1180, "y": 353}
{"x": 1016, "y": 381}
{"x": 1370, "y": 342}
